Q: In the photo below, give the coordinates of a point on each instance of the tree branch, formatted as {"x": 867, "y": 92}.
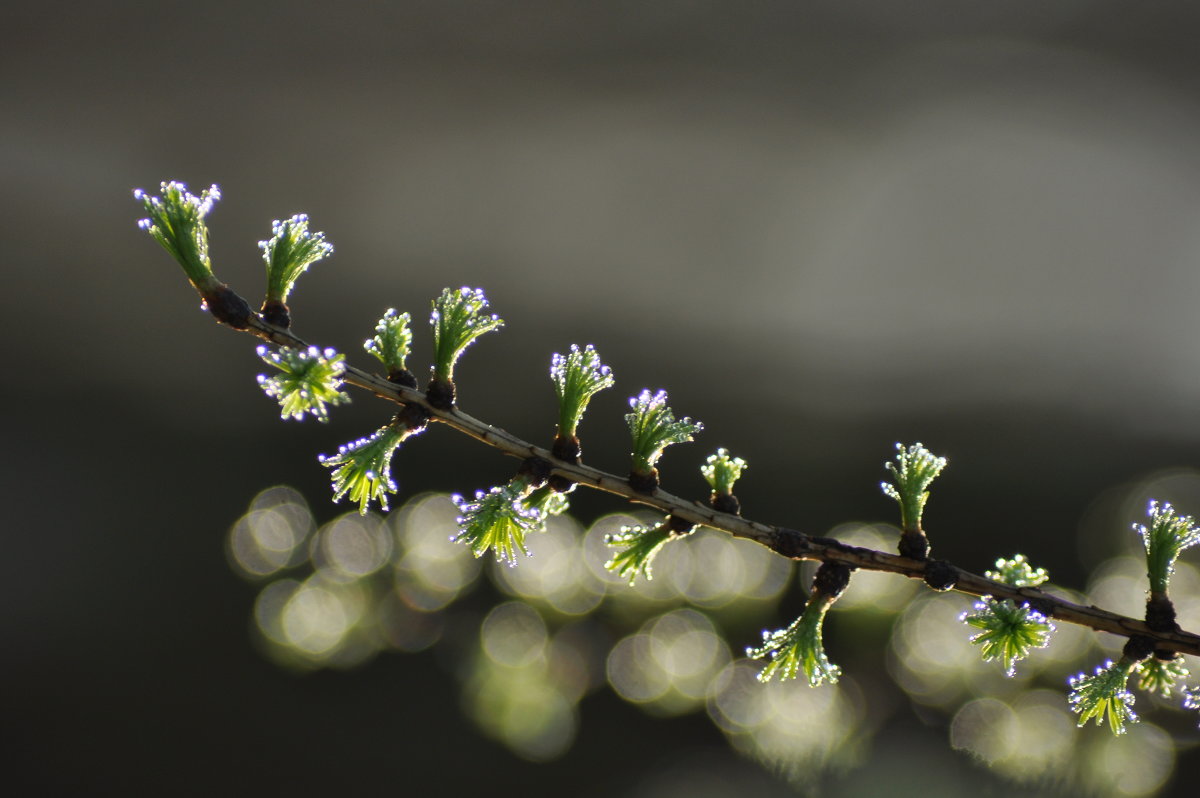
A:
{"x": 784, "y": 541}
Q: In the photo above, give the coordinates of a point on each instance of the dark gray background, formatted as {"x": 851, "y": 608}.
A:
{"x": 822, "y": 226}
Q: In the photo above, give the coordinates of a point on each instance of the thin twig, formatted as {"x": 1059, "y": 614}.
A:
{"x": 786, "y": 542}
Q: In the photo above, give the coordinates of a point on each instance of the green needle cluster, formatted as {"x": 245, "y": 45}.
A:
{"x": 458, "y": 318}
{"x": 1102, "y": 696}
{"x": 1165, "y": 539}
{"x": 547, "y": 501}
{"x": 721, "y": 471}
{"x": 636, "y": 546}
{"x": 915, "y": 468}
{"x": 577, "y": 377}
{"x": 1162, "y": 676}
{"x": 798, "y": 648}
{"x": 499, "y": 520}
{"x": 289, "y": 252}
{"x": 1008, "y": 632}
{"x": 176, "y": 221}
{"x": 362, "y": 470}
{"x": 654, "y": 427}
{"x": 1017, "y": 572}
{"x": 392, "y": 342}
{"x": 307, "y": 381}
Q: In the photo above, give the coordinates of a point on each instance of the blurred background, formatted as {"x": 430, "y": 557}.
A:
{"x": 823, "y": 227}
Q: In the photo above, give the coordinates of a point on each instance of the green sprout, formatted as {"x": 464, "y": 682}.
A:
{"x": 1017, "y": 572}
{"x": 308, "y": 380}
{"x": 1009, "y": 632}
{"x": 547, "y": 501}
{"x": 288, "y": 254}
{"x": 1161, "y": 676}
{"x": 917, "y": 468}
{"x": 1103, "y": 696}
{"x": 721, "y": 471}
{"x": 499, "y": 520}
{"x": 637, "y": 546}
{"x": 363, "y": 470}
{"x": 1169, "y": 534}
{"x": 458, "y": 318}
{"x": 577, "y": 377}
{"x": 176, "y": 221}
{"x": 392, "y": 342}
{"x": 653, "y": 427}
{"x": 799, "y": 647}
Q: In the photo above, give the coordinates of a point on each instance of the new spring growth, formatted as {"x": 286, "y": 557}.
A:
{"x": 653, "y": 427}
{"x": 1102, "y": 696}
{"x": 800, "y": 647}
{"x": 176, "y": 221}
{"x": 458, "y": 318}
{"x": 1017, "y": 572}
{"x": 1008, "y": 632}
{"x": 392, "y": 344}
{"x": 637, "y": 546}
{"x": 362, "y": 470}
{"x": 547, "y": 501}
{"x": 577, "y": 377}
{"x": 500, "y": 520}
{"x": 288, "y": 254}
{"x": 1166, "y": 538}
{"x": 1162, "y": 673}
{"x": 721, "y": 471}
{"x": 915, "y": 468}
{"x": 307, "y": 381}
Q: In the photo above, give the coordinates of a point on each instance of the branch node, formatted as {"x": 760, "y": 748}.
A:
{"x": 1043, "y": 607}
{"x": 941, "y": 575}
{"x": 1160, "y": 614}
{"x": 227, "y": 307}
{"x": 831, "y": 579}
{"x": 790, "y": 543}
{"x": 414, "y": 417}
{"x": 679, "y": 527}
{"x": 644, "y": 483}
{"x": 913, "y": 544}
{"x": 535, "y": 470}
{"x": 275, "y": 311}
{"x": 725, "y": 503}
{"x": 440, "y": 394}
{"x": 402, "y": 377}
{"x": 1138, "y": 648}
{"x": 567, "y": 449}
